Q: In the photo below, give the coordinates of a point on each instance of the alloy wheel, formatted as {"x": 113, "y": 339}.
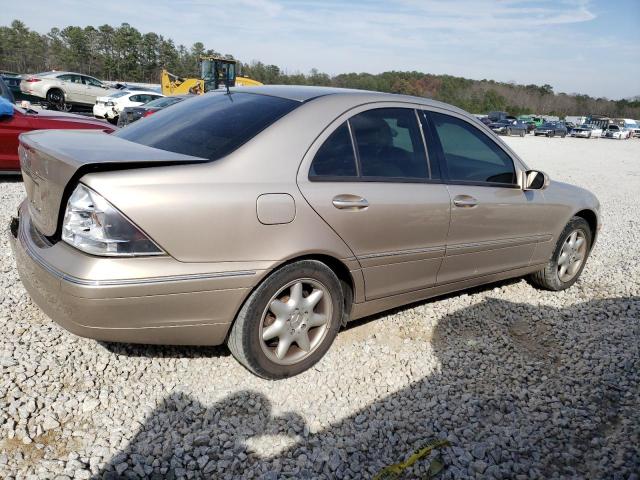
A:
{"x": 572, "y": 255}
{"x": 295, "y": 321}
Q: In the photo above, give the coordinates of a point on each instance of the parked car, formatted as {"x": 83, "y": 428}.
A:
{"x": 632, "y": 126}
{"x": 111, "y": 106}
{"x": 131, "y": 114}
{"x": 270, "y": 218}
{"x": 551, "y": 129}
{"x": 63, "y": 90}
{"x": 509, "y": 127}
{"x": 12, "y": 81}
{"x": 596, "y": 131}
{"x": 617, "y": 132}
{"x": 16, "y": 120}
{"x": 586, "y": 131}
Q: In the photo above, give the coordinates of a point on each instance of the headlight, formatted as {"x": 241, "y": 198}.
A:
{"x": 93, "y": 225}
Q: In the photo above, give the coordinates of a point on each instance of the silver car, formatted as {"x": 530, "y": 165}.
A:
{"x": 269, "y": 217}
{"x": 62, "y": 90}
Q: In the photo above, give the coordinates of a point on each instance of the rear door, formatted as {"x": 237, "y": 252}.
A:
{"x": 73, "y": 87}
{"x": 369, "y": 178}
{"x": 495, "y": 225}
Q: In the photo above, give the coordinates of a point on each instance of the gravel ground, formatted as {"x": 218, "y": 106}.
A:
{"x": 523, "y": 383}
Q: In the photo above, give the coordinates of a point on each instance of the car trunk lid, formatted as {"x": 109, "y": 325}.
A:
{"x": 51, "y": 159}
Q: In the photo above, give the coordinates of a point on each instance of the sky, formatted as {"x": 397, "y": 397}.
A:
{"x": 577, "y": 46}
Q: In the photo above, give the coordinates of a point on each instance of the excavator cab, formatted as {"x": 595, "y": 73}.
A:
{"x": 217, "y": 72}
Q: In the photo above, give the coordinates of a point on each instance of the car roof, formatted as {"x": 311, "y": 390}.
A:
{"x": 302, "y": 93}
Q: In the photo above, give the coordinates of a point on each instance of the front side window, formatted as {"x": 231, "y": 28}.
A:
{"x": 91, "y": 81}
{"x": 335, "y": 158}
{"x": 470, "y": 155}
{"x": 389, "y": 143}
{"x": 209, "y": 126}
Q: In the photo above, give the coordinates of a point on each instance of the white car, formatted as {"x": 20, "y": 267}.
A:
{"x": 587, "y": 131}
{"x": 617, "y": 132}
{"x": 62, "y": 90}
{"x": 109, "y": 107}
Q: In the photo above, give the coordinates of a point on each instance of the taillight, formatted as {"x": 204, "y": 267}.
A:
{"x": 149, "y": 112}
{"x": 33, "y": 80}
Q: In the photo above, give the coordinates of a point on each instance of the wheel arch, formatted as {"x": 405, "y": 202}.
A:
{"x": 336, "y": 265}
{"x": 55, "y": 87}
{"x": 592, "y": 219}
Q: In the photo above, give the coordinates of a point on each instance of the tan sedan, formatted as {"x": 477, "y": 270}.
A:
{"x": 269, "y": 218}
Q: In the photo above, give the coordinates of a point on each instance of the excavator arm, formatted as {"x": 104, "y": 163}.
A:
{"x": 175, "y": 85}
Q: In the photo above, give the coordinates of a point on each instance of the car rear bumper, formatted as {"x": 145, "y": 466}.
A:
{"x": 179, "y": 309}
{"x": 103, "y": 111}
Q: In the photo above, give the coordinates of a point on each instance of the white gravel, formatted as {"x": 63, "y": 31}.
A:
{"x": 524, "y": 383}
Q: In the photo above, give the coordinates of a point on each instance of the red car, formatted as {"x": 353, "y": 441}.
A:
{"x": 25, "y": 120}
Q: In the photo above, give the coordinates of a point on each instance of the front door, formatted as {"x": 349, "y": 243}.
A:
{"x": 371, "y": 181}
{"x": 495, "y": 225}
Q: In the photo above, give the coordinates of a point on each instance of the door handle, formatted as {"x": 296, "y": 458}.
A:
{"x": 465, "y": 201}
{"x": 350, "y": 202}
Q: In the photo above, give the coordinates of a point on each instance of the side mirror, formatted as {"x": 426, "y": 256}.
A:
{"x": 535, "y": 180}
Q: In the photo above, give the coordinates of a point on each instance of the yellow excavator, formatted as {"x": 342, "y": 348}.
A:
{"x": 215, "y": 72}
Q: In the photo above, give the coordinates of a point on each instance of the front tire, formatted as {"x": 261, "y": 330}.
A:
{"x": 289, "y": 321}
{"x": 568, "y": 259}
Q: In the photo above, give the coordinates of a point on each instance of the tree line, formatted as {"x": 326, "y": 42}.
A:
{"x": 125, "y": 54}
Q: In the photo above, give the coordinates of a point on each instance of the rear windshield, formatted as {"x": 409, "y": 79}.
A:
{"x": 209, "y": 126}
{"x": 163, "y": 102}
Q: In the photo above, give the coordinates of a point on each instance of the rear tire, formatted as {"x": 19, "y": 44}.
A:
{"x": 277, "y": 301}
{"x": 553, "y": 276}
{"x": 56, "y": 101}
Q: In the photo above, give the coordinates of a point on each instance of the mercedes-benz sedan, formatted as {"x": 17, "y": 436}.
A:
{"x": 269, "y": 218}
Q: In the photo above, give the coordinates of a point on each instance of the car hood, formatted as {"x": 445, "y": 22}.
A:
{"x": 53, "y": 160}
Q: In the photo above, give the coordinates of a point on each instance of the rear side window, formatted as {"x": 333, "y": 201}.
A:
{"x": 335, "y": 158}
{"x": 470, "y": 155}
{"x": 209, "y": 126}
{"x": 390, "y": 144}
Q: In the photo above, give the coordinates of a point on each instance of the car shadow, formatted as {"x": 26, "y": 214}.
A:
{"x": 523, "y": 391}
{"x": 10, "y": 178}
{"x": 165, "y": 351}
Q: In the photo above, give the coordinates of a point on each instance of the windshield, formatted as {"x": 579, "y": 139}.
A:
{"x": 163, "y": 102}
{"x": 547, "y": 125}
{"x": 209, "y": 126}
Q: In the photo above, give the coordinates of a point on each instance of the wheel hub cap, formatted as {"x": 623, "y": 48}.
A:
{"x": 572, "y": 255}
{"x": 295, "y": 321}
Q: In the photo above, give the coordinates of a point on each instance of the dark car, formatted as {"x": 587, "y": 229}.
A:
{"x": 551, "y": 129}
{"x": 131, "y": 114}
{"x": 509, "y": 127}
